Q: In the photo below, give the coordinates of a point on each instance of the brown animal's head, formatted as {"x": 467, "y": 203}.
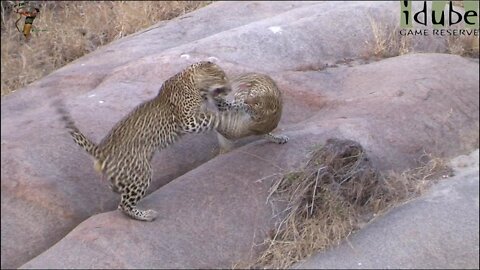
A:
{"x": 210, "y": 79}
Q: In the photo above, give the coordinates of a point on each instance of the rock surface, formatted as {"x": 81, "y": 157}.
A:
{"x": 396, "y": 108}
{"x": 210, "y": 215}
{"x": 439, "y": 230}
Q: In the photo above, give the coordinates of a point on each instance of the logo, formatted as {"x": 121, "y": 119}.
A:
{"x": 29, "y": 11}
{"x": 442, "y": 17}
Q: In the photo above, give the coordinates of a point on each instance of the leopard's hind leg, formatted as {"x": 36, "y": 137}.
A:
{"x": 134, "y": 191}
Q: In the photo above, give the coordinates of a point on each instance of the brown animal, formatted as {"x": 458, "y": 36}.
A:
{"x": 258, "y": 101}
{"x": 124, "y": 155}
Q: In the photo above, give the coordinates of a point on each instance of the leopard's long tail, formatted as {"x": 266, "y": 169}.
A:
{"x": 76, "y": 134}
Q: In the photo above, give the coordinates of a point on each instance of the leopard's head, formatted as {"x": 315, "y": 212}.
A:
{"x": 211, "y": 80}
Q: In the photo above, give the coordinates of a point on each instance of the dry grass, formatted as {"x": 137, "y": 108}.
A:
{"x": 336, "y": 193}
{"x": 65, "y": 31}
{"x": 464, "y": 45}
{"x": 387, "y": 42}
{"x": 458, "y": 3}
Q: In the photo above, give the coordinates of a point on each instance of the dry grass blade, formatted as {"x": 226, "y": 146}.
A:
{"x": 337, "y": 190}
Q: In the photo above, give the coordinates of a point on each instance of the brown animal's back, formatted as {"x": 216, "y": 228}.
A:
{"x": 261, "y": 93}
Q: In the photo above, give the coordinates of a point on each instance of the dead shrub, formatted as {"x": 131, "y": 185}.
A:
{"x": 464, "y": 45}
{"x": 387, "y": 42}
{"x": 336, "y": 193}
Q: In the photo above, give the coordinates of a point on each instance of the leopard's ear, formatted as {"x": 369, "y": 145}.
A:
{"x": 213, "y": 60}
{"x": 243, "y": 86}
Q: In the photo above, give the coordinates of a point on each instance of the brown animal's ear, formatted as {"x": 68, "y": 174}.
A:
{"x": 243, "y": 86}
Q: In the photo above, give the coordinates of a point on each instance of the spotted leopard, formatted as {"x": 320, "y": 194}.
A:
{"x": 259, "y": 104}
{"x": 125, "y": 154}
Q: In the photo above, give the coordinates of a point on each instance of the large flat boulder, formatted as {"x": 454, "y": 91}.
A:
{"x": 396, "y": 108}
{"x": 212, "y": 215}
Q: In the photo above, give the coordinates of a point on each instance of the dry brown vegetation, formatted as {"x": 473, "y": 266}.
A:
{"x": 335, "y": 194}
{"x": 64, "y": 31}
{"x": 458, "y": 3}
{"x": 386, "y": 41}
{"x": 464, "y": 45}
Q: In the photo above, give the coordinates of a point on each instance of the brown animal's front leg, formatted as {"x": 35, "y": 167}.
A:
{"x": 280, "y": 139}
{"x": 225, "y": 105}
{"x": 222, "y": 104}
